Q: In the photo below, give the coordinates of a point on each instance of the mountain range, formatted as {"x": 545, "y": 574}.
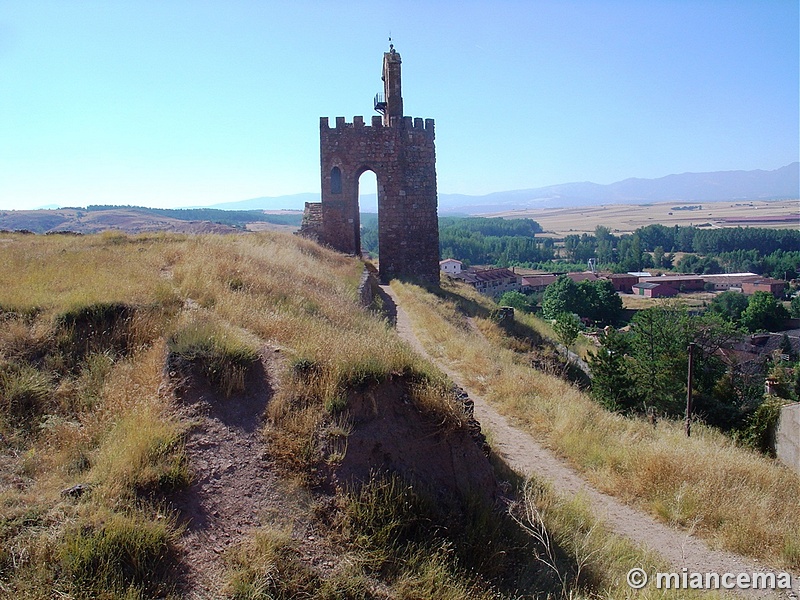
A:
{"x": 783, "y": 183}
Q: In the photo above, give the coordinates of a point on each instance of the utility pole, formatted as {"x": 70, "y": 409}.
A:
{"x": 688, "y": 424}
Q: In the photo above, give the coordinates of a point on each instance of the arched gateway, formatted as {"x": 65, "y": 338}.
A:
{"x": 401, "y": 152}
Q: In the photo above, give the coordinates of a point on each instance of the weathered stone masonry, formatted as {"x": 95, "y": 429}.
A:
{"x": 401, "y": 152}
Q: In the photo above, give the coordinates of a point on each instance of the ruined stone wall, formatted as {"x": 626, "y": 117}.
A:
{"x": 367, "y": 288}
{"x": 311, "y": 225}
{"x": 787, "y": 436}
{"x": 403, "y": 158}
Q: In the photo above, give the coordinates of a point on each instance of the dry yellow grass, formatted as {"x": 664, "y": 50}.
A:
{"x": 102, "y": 416}
{"x": 65, "y": 271}
{"x": 732, "y": 497}
{"x": 597, "y": 555}
{"x": 109, "y": 422}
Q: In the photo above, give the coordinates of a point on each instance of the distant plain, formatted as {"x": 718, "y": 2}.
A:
{"x": 556, "y": 222}
{"x": 626, "y": 218}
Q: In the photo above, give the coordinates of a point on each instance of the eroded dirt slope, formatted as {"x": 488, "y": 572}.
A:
{"x": 236, "y": 487}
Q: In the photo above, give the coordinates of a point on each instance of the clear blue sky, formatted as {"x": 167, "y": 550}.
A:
{"x": 177, "y": 102}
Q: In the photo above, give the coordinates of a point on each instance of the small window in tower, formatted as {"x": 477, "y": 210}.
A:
{"x": 336, "y": 181}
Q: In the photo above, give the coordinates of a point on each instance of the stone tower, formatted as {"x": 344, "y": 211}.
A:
{"x": 400, "y": 151}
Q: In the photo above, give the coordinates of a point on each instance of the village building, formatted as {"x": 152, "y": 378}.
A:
{"x": 450, "y": 266}
{"x": 585, "y": 276}
{"x": 623, "y": 282}
{"x": 531, "y": 284}
{"x": 723, "y": 282}
{"x": 681, "y": 283}
{"x": 492, "y": 282}
{"x": 534, "y": 284}
{"x": 764, "y": 284}
{"x": 759, "y": 346}
{"x": 654, "y": 290}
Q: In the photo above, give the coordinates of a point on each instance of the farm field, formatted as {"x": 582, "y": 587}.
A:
{"x": 626, "y": 218}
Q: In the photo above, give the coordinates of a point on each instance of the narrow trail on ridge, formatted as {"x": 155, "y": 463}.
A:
{"x": 236, "y": 488}
{"x": 527, "y": 457}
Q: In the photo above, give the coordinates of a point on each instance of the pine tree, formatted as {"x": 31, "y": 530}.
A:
{"x": 612, "y": 384}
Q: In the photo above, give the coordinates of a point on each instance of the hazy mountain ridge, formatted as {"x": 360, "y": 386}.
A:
{"x": 685, "y": 187}
{"x": 783, "y": 183}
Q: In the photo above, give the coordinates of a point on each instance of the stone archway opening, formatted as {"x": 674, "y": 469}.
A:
{"x": 367, "y": 184}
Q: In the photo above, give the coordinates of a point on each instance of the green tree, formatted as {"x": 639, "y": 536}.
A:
{"x": 785, "y": 378}
{"x": 735, "y": 397}
{"x": 729, "y": 305}
{"x": 612, "y": 384}
{"x": 684, "y": 239}
{"x": 660, "y": 336}
{"x": 595, "y": 300}
{"x": 571, "y": 243}
{"x": 567, "y": 327}
{"x": 795, "y": 307}
{"x": 691, "y": 263}
{"x": 517, "y": 300}
{"x": 763, "y": 312}
{"x": 605, "y": 252}
{"x": 710, "y": 332}
{"x": 605, "y": 244}
{"x": 658, "y": 256}
{"x": 630, "y": 252}
{"x": 761, "y": 425}
{"x": 656, "y": 235}
{"x": 599, "y": 301}
{"x": 561, "y": 296}
{"x": 786, "y": 346}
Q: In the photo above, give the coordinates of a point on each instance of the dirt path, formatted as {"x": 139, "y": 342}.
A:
{"x": 235, "y": 489}
{"x": 527, "y": 457}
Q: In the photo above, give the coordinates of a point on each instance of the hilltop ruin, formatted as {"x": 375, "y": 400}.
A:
{"x": 400, "y": 151}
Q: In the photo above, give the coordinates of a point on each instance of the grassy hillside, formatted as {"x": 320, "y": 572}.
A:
{"x": 93, "y": 435}
{"x": 105, "y": 339}
{"x": 735, "y": 498}
{"x": 88, "y": 326}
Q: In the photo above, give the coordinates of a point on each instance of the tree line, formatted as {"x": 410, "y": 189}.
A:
{"x": 772, "y": 252}
{"x": 513, "y": 242}
{"x": 478, "y": 240}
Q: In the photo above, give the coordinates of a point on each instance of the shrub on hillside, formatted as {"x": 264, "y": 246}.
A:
{"x": 760, "y": 429}
{"x": 25, "y": 394}
{"x": 223, "y": 354}
{"x": 124, "y": 555}
{"x": 517, "y": 300}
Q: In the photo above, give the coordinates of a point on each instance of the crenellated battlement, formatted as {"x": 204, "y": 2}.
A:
{"x": 408, "y": 123}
